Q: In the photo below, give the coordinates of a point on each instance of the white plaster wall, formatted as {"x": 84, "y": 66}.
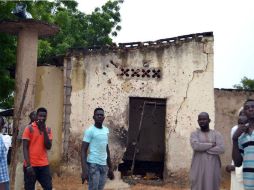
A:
{"x": 187, "y": 83}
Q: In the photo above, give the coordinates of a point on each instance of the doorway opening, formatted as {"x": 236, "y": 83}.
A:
{"x": 145, "y": 151}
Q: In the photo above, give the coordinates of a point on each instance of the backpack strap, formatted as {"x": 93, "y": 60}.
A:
{"x": 49, "y": 130}
{"x": 30, "y": 127}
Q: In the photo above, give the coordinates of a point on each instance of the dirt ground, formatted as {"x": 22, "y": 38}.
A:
{"x": 65, "y": 183}
{"x": 74, "y": 183}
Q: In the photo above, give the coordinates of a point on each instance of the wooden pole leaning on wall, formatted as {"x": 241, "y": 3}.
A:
{"x": 16, "y": 143}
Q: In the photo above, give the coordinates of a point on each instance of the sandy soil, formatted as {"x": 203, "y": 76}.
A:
{"x": 74, "y": 183}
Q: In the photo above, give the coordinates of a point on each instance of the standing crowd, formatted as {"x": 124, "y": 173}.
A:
{"x": 205, "y": 171}
{"x": 207, "y": 145}
{"x": 37, "y": 139}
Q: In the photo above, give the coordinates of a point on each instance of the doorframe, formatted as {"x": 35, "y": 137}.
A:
{"x": 165, "y": 170}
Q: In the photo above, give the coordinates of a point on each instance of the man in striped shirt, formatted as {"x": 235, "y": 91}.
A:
{"x": 243, "y": 146}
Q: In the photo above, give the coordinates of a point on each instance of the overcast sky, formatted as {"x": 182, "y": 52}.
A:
{"x": 232, "y": 22}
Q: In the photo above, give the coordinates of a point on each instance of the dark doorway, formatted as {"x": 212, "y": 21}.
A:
{"x": 146, "y": 137}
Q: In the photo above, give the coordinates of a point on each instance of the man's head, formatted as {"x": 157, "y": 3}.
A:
{"x": 98, "y": 116}
{"x": 249, "y": 109}
{"x": 32, "y": 116}
{"x": 241, "y": 112}
{"x": 242, "y": 120}
{"x": 41, "y": 114}
{"x": 203, "y": 121}
{"x": 1, "y": 123}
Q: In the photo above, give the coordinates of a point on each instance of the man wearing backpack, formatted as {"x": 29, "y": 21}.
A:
{"x": 37, "y": 139}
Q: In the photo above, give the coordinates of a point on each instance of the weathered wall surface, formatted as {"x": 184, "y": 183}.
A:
{"x": 92, "y": 79}
{"x": 99, "y": 79}
{"x": 227, "y": 106}
{"x": 49, "y": 94}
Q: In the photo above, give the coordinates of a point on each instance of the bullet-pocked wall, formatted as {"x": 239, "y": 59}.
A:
{"x": 179, "y": 70}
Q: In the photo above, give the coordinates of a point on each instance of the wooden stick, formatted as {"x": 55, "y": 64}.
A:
{"x": 15, "y": 143}
{"x": 137, "y": 139}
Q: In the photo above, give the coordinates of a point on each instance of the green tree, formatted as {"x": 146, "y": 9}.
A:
{"x": 7, "y": 59}
{"x": 77, "y": 29}
{"x": 246, "y": 84}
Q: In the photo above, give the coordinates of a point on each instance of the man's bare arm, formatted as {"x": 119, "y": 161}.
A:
{"x": 25, "y": 151}
{"x": 236, "y": 154}
{"x": 47, "y": 141}
{"x": 110, "y": 168}
{"x": 84, "y": 149}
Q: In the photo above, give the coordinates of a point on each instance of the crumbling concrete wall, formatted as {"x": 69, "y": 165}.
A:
{"x": 180, "y": 70}
{"x": 92, "y": 78}
{"x": 49, "y": 94}
{"x": 228, "y": 102}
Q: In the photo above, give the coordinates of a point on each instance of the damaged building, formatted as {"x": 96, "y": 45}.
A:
{"x": 151, "y": 92}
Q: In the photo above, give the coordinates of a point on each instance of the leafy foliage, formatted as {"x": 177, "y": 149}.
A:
{"x": 77, "y": 29}
{"x": 246, "y": 84}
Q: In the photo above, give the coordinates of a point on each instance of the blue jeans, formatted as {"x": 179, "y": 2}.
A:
{"x": 97, "y": 176}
